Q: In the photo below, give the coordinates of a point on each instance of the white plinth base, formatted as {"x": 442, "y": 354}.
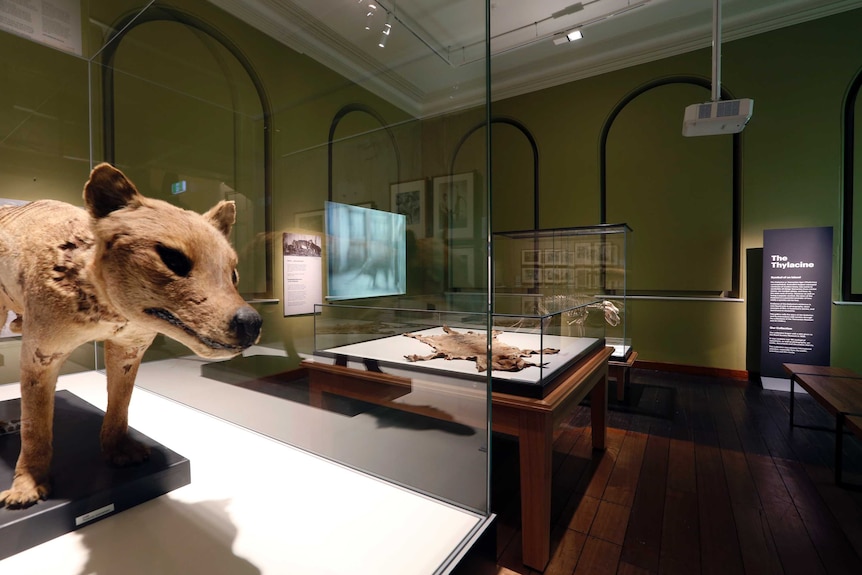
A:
{"x": 255, "y": 505}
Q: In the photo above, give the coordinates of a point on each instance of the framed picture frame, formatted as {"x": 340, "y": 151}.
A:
{"x": 409, "y": 199}
{"x": 310, "y": 221}
{"x": 582, "y": 253}
{"x": 530, "y": 276}
{"x": 553, "y": 257}
{"x": 453, "y": 206}
{"x": 531, "y": 257}
{"x": 462, "y": 266}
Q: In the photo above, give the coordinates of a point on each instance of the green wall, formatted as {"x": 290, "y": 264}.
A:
{"x": 673, "y": 191}
{"x": 678, "y": 201}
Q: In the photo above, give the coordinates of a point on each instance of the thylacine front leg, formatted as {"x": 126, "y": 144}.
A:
{"x": 39, "y": 370}
{"x": 122, "y": 359}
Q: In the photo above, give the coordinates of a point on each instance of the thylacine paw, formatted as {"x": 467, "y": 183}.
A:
{"x": 126, "y": 452}
{"x": 25, "y": 491}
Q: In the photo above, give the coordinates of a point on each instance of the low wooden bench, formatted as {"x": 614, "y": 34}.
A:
{"x": 839, "y": 391}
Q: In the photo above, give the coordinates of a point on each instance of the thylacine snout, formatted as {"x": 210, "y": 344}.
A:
{"x": 245, "y": 325}
{"x": 243, "y": 331}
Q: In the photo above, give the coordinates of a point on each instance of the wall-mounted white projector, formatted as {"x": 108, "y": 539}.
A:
{"x": 719, "y": 117}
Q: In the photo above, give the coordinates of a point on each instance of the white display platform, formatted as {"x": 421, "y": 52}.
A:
{"x": 393, "y": 350}
{"x": 255, "y": 505}
{"x": 621, "y": 351}
{"x": 360, "y": 440}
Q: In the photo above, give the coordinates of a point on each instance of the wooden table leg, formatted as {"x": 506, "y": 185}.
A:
{"x": 535, "y": 447}
{"x": 599, "y": 412}
{"x": 617, "y": 372}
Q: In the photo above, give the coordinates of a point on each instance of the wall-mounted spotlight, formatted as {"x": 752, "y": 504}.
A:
{"x": 569, "y": 36}
{"x": 387, "y": 29}
{"x": 369, "y": 16}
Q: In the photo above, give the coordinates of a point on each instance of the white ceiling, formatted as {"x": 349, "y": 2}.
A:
{"x": 433, "y": 60}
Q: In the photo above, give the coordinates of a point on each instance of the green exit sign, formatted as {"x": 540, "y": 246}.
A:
{"x": 178, "y": 187}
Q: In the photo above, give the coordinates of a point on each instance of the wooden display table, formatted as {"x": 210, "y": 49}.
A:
{"x": 532, "y": 420}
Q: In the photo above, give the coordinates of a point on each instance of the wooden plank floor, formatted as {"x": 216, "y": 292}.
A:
{"x": 720, "y": 486}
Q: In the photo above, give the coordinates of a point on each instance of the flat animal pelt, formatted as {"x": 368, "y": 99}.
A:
{"x": 474, "y": 346}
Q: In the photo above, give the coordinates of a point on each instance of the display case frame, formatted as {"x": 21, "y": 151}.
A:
{"x": 580, "y": 272}
{"x": 528, "y": 351}
{"x": 200, "y": 123}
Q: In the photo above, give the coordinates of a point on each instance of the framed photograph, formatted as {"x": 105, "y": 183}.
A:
{"x": 611, "y": 254}
{"x": 529, "y": 276}
{"x": 310, "y": 221}
{"x": 453, "y": 206}
{"x": 548, "y": 276}
{"x": 582, "y": 254}
{"x": 560, "y": 275}
{"x": 462, "y": 267}
{"x": 554, "y": 257}
{"x": 531, "y": 257}
{"x": 596, "y": 253}
{"x": 408, "y": 198}
{"x": 582, "y": 279}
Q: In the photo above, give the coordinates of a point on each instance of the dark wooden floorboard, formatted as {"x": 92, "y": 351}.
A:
{"x": 723, "y": 485}
{"x": 642, "y": 545}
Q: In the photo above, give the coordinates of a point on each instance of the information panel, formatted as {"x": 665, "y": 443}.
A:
{"x": 303, "y": 273}
{"x": 56, "y": 23}
{"x": 797, "y": 296}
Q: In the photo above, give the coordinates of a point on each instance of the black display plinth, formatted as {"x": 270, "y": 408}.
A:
{"x": 84, "y": 487}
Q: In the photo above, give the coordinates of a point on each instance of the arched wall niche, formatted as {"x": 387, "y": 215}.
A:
{"x": 518, "y": 135}
{"x": 362, "y": 163}
{"x": 851, "y": 276}
{"x": 206, "y": 122}
{"x": 656, "y": 269}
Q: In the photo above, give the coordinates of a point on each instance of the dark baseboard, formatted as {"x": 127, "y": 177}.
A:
{"x": 738, "y": 374}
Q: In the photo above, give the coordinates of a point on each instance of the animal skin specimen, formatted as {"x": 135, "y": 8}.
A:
{"x": 474, "y": 346}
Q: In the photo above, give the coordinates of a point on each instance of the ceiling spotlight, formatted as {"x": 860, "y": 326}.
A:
{"x": 387, "y": 29}
{"x": 369, "y": 17}
{"x": 569, "y": 36}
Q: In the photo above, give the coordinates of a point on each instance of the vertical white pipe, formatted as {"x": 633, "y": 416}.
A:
{"x": 716, "y": 50}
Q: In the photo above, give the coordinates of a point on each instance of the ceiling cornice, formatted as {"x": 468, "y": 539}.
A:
{"x": 301, "y": 31}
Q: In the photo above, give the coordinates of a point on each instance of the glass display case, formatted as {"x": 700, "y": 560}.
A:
{"x": 579, "y": 272}
{"x": 530, "y": 349}
{"x": 204, "y": 102}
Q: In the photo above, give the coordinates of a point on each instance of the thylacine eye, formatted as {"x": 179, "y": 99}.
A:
{"x": 175, "y": 260}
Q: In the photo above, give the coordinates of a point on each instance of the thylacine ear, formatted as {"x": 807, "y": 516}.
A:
{"x": 222, "y": 216}
{"x": 108, "y": 190}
